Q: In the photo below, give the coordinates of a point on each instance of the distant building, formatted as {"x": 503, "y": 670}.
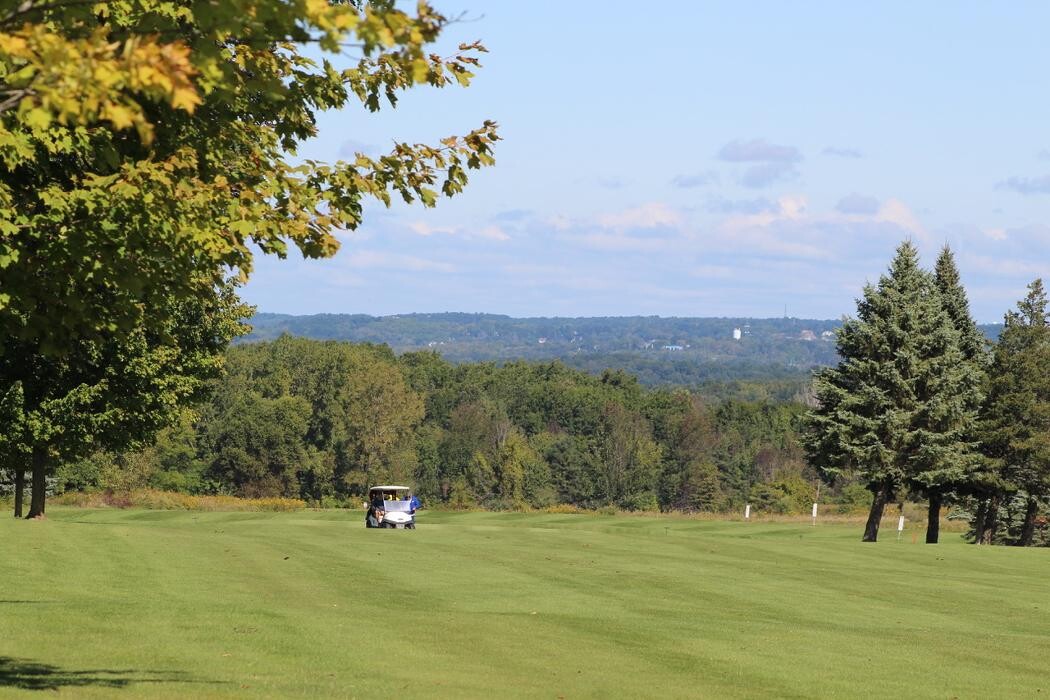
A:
{"x": 737, "y": 333}
{"x": 807, "y": 335}
{"x": 542, "y": 341}
{"x": 827, "y": 335}
{"x": 673, "y": 347}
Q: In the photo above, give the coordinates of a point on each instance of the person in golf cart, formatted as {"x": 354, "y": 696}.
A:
{"x": 390, "y": 507}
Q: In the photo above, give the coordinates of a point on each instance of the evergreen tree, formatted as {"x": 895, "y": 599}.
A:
{"x": 972, "y": 342}
{"x": 951, "y": 460}
{"x": 1015, "y": 418}
{"x": 889, "y": 412}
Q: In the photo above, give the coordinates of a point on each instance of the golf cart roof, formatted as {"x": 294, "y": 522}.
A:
{"x": 389, "y": 488}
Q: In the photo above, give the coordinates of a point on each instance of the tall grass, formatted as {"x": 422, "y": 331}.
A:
{"x": 152, "y": 499}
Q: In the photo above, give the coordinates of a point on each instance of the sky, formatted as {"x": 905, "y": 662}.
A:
{"x": 706, "y": 159}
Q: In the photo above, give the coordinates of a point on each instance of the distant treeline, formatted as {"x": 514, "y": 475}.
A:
{"x": 322, "y": 420}
{"x": 659, "y": 351}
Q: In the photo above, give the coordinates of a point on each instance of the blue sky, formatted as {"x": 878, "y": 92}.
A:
{"x": 707, "y": 159}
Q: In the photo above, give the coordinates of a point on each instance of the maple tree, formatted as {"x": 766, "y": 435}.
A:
{"x": 147, "y": 147}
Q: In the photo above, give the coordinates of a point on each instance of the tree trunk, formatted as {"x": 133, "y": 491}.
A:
{"x": 878, "y": 505}
{"x": 933, "y": 519}
{"x": 991, "y": 520}
{"x": 978, "y": 521}
{"x": 20, "y": 487}
{"x": 36, "y": 503}
{"x": 1028, "y": 531}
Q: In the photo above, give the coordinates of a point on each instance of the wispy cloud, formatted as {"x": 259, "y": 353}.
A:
{"x": 717, "y": 272}
{"x": 368, "y": 259}
{"x": 350, "y": 148}
{"x": 758, "y": 151}
{"x": 857, "y": 204}
{"x": 766, "y": 174}
{"x": 718, "y": 256}
{"x": 1003, "y": 267}
{"x": 647, "y": 216}
{"x": 771, "y": 162}
{"x": 695, "y": 180}
{"x": 609, "y": 182}
{"x": 513, "y": 215}
{"x": 759, "y": 205}
{"x": 842, "y": 152}
{"x": 490, "y": 232}
{"x": 1026, "y": 185}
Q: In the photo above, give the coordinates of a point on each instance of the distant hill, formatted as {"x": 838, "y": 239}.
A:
{"x": 684, "y": 351}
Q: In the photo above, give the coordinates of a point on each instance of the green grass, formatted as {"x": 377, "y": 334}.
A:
{"x": 108, "y": 603}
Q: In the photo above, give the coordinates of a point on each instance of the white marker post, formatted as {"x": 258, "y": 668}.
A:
{"x": 747, "y": 512}
{"x": 814, "y": 515}
{"x": 900, "y": 528}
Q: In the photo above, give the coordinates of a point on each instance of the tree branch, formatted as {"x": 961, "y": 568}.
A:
{"x": 28, "y": 7}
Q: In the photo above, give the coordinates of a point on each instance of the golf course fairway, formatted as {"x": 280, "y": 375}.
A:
{"x": 133, "y": 603}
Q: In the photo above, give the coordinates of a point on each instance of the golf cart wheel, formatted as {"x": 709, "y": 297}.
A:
{"x": 410, "y": 526}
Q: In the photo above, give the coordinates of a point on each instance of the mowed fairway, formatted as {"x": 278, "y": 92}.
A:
{"x": 173, "y": 604}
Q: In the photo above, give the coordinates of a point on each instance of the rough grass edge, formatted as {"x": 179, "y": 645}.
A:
{"x": 152, "y": 499}
{"x": 834, "y": 518}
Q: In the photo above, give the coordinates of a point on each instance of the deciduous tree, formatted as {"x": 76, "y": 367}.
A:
{"x": 148, "y": 148}
{"x": 111, "y": 392}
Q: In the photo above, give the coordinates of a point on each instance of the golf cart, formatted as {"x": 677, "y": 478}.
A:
{"x": 391, "y": 507}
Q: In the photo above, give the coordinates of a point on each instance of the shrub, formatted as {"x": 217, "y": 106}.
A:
{"x": 644, "y": 501}
{"x": 788, "y": 494}
{"x": 153, "y": 499}
{"x": 563, "y": 508}
{"x": 853, "y": 498}
{"x": 462, "y": 498}
{"x": 334, "y": 502}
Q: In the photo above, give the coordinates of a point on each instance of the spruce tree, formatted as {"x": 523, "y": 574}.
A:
{"x": 949, "y": 460}
{"x": 1015, "y": 419}
{"x": 889, "y": 412}
{"x": 953, "y": 297}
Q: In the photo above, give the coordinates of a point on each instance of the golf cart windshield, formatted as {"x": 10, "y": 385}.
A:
{"x": 396, "y": 506}
{"x": 391, "y": 495}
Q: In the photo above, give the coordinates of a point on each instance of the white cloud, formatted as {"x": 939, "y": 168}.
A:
{"x": 374, "y": 259}
{"x": 896, "y": 212}
{"x": 490, "y": 232}
{"x": 651, "y": 215}
{"x": 1001, "y": 267}
{"x": 422, "y": 228}
{"x": 493, "y": 233}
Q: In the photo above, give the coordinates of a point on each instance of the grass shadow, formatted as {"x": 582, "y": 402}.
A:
{"x": 27, "y": 674}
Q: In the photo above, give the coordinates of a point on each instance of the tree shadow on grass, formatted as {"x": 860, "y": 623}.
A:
{"x": 26, "y": 674}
